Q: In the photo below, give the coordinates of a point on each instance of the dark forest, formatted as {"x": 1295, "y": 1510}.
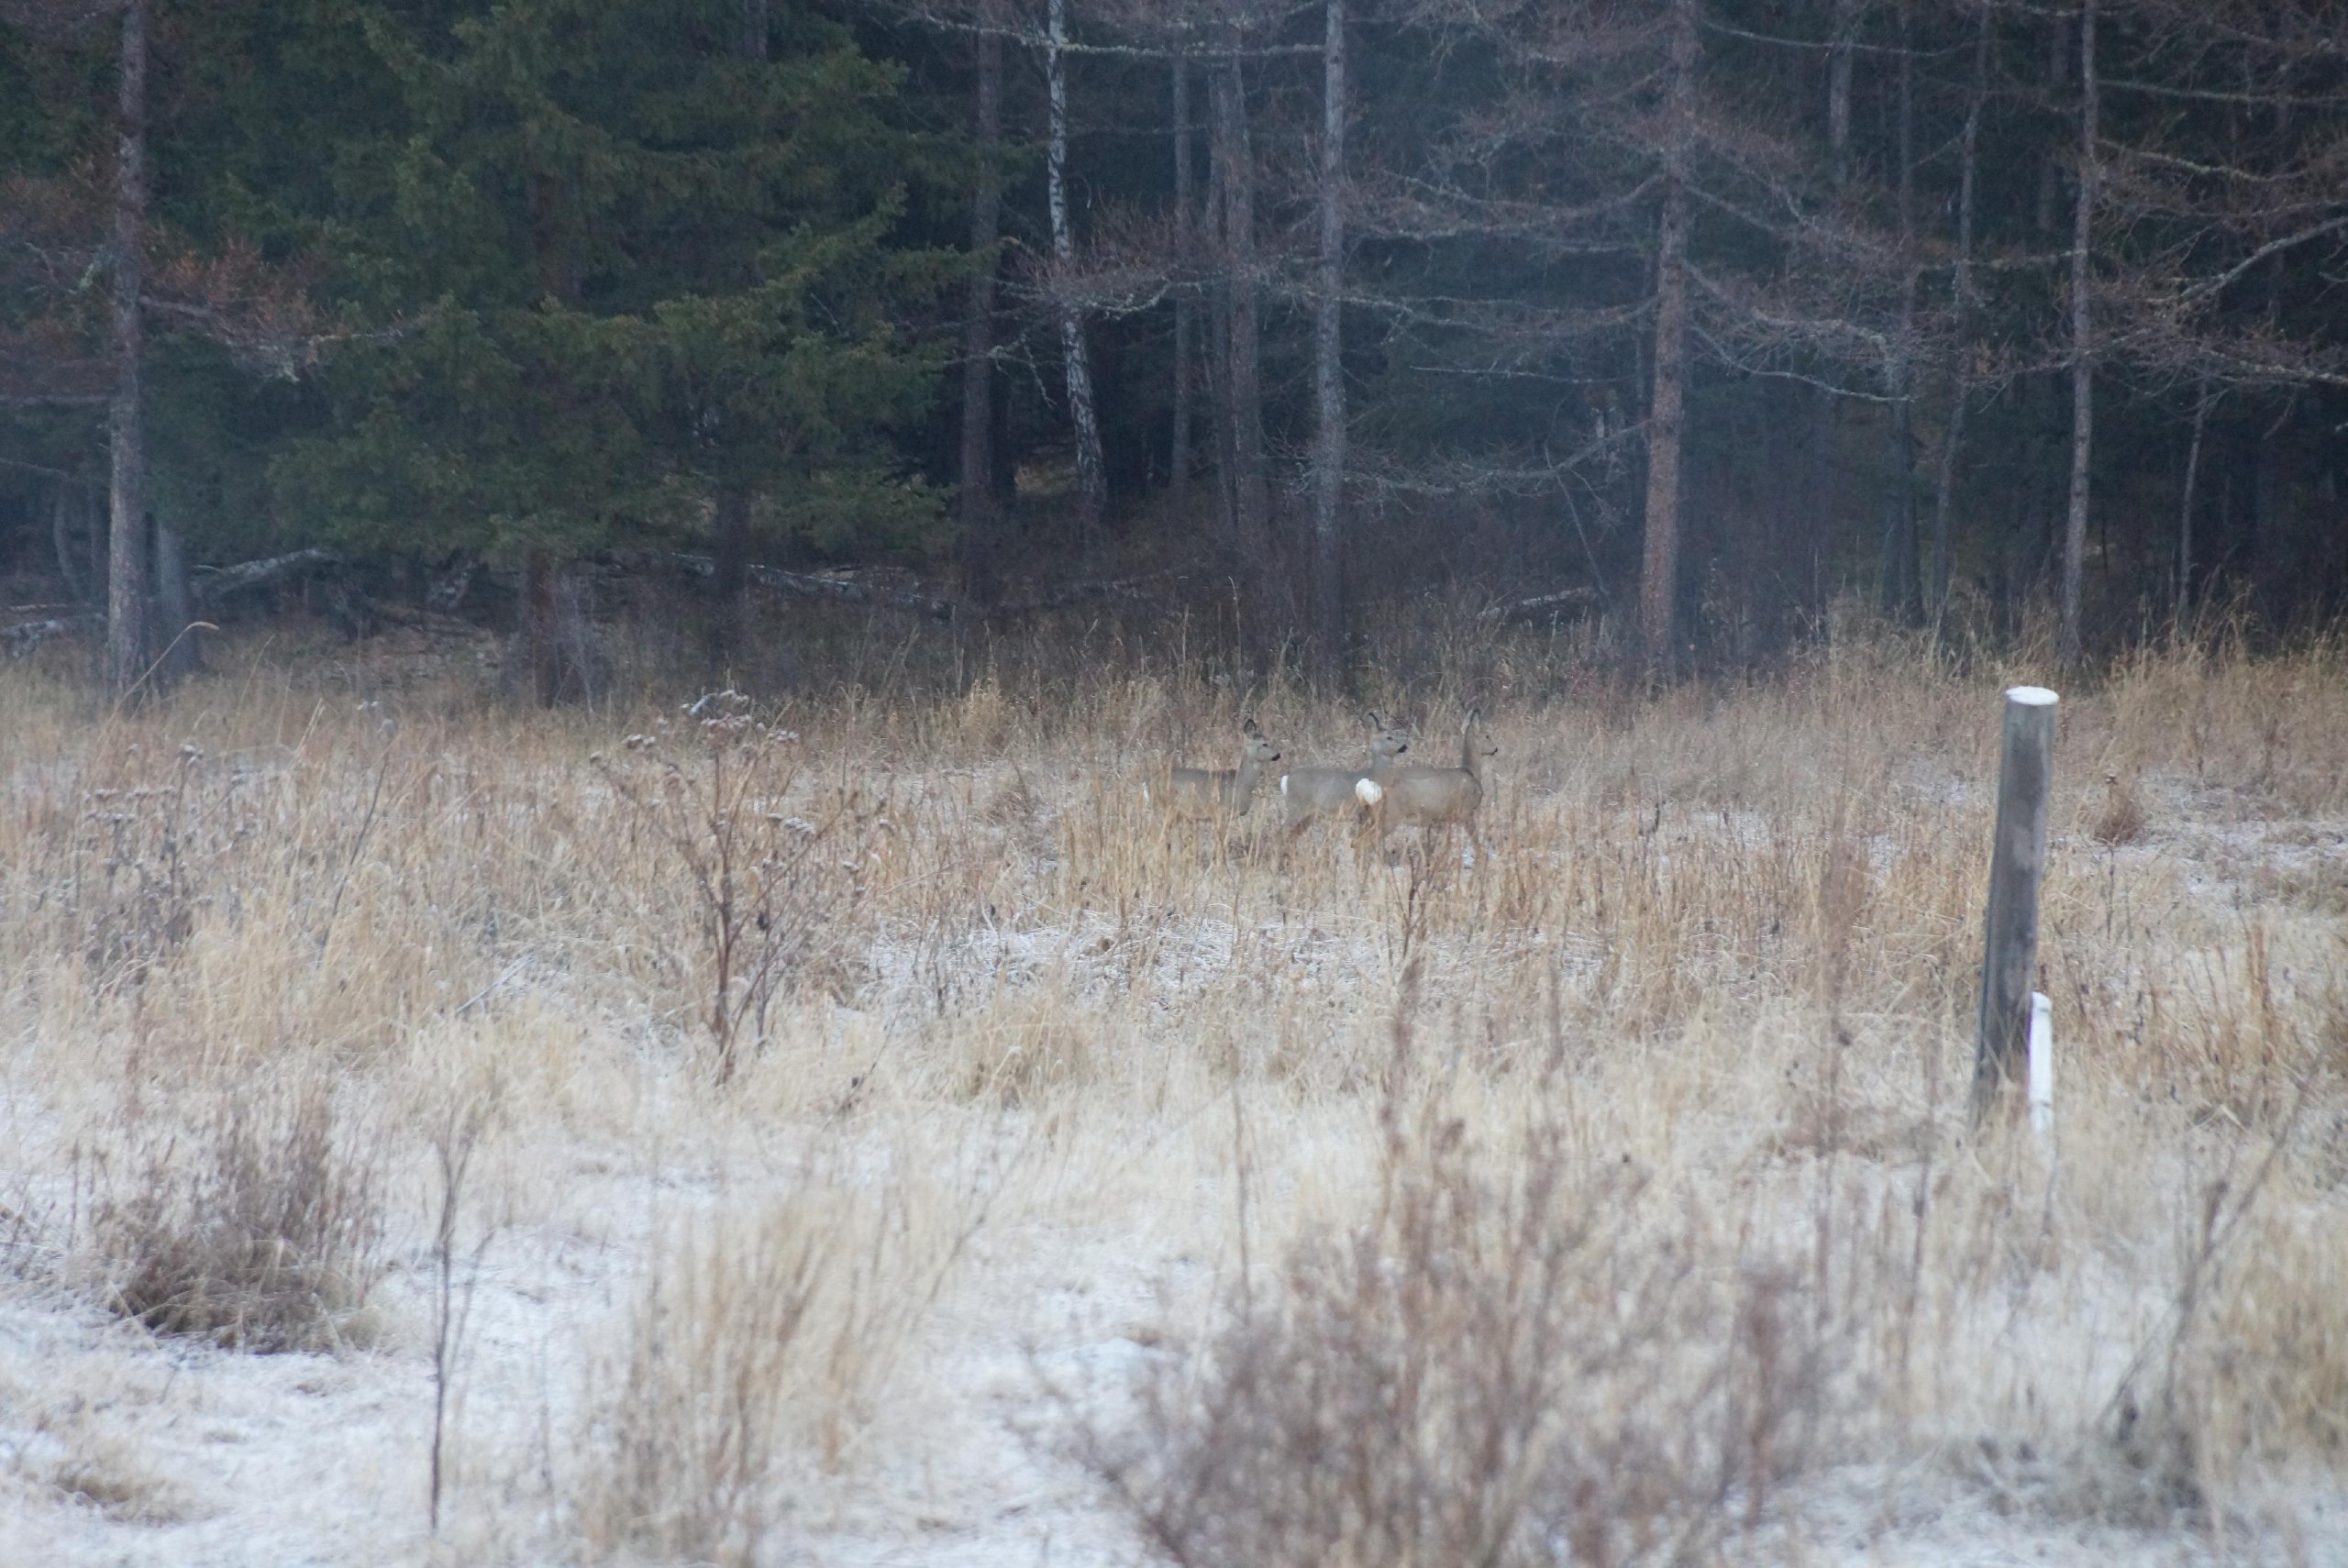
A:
{"x": 1694, "y": 317}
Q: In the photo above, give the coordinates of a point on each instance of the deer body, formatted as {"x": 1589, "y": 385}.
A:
{"x": 1430, "y": 797}
{"x": 1309, "y": 792}
{"x": 1214, "y": 792}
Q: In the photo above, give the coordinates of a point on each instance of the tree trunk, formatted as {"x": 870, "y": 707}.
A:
{"x": 1822, "y": 478}
{"x": 1328, "y": 367}
{"x": 1185, "y": 326}
{"x": 127, "y": 637}
{"x": 2185, "y": 512}
{"x": 1092, "y": 471}
{"x": 541, "y": 638}
{"x": 1960, "y": 301}
{"x": 1242, "y": 364}
{"x": 1216, "y": 360}
{"x": 182, "y": 654}
{"x": 1659, "y": 583}
{"x": 1901, "y": 571}
{"x": 70, "y": 560}
{"x": 2050, "y": 167}
{"x": 978, "y": 497}
{"x": 1841, "y": 49}
{"x": 729, "y": 578}
{"x": 729, "y": 583}
{"x": 2075, "y": 526}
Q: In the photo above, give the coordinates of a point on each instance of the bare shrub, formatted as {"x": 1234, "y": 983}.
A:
{"x": 770, "y": 882}
{"x": 1515, "y": 1359}
{"x": 260, "y": 1229}
{"x": 757, "y": 1353}
{"x": 133, "y": 878}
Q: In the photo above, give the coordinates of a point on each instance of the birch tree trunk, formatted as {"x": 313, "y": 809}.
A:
{"x": 1185, "y": 322}
{"x": 1841, "y": 51}
{"x": 1960, "y": 301}
{"x": 2185, "y": 512}
{"x": 127, "y": 636}
{"x": 1328, "y": 367}
{"x": 1659, "y": 582}
{"x": 1092, "y": 471}
{"x": 2075, "y": 524}
{"x": 977, "y": 503}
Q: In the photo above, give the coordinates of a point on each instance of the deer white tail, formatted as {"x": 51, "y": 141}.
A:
{"x": 1369, "y": 791}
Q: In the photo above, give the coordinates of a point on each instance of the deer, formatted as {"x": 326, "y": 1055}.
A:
{"x": 1309, "y": 792}
{"x": 1430, "y": 797}
{"x": 1215, "y": 792}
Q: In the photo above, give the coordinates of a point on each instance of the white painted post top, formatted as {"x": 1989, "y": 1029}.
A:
{"x": 2042, "y": 1064}
{"x": 2031, "y": 696}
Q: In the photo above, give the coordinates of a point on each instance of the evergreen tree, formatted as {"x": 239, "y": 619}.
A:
{"x": 621, "y": 270}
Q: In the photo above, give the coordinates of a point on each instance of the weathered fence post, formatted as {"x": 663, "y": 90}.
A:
{"x": 2017, "y": 866}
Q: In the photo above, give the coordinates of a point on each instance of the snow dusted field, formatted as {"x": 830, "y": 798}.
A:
{"x": 1097, "y": 1192}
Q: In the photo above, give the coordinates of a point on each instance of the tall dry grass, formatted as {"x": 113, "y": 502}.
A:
{"x": 1693, "y": 1029}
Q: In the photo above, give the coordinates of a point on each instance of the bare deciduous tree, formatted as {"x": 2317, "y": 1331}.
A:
{"x": 1328, "y": 366}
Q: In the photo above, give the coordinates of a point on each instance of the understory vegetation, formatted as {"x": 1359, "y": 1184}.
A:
{"x": 883, "y": 1128}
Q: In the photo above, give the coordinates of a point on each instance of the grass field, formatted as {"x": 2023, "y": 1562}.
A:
{"x": 858, "y": 1130}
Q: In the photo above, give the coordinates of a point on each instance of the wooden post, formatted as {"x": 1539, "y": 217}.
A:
{"x": 2017, "y": 867}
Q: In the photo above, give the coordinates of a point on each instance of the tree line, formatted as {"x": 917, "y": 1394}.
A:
{"x": 1705, "y": 311}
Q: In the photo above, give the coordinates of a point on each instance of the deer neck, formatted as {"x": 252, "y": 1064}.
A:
{"x": 1471, "y": 759}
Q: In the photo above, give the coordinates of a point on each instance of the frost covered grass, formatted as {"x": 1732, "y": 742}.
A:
{"x": 896, "y": 1137}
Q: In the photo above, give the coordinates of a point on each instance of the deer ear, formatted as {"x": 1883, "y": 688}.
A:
{"x": 1248, "y": 728}
{"x": 1371, "y": 714}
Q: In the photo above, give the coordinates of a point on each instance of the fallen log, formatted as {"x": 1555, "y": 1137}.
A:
{"x": 26, "y": 636}
{"x": 806, "y": 585}
{"x": 1539, "y": 604}
{"x": 1070, "y": 593}
{"x": 216, "y": 583}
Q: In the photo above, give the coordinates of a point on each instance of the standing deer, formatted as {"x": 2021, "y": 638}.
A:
{"x": 1432, "y": 797}
{"x": 1309, "y": 792}
{"x": 1215, "y": 792}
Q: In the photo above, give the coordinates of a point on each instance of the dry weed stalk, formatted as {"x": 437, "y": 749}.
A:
{"x": 455, "y": 1142}
{"x": 768, "y": 885}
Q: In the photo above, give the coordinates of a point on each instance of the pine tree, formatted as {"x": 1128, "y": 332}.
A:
{"x": 629, "y": 273}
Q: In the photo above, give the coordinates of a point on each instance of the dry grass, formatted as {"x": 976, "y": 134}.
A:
{"x": 759, "y": 1349}
{"x": 1693, "y": 1027}
{"x": 256, "y": 1224}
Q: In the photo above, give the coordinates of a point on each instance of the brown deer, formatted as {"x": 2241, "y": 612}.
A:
{"x": 1214, "y": 792}
{"x": 1309, "y": 792}
{"x": 1430, "y": 797}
